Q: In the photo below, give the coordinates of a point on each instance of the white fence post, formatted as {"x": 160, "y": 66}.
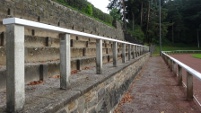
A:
{"x": 189, "y": 83}
{"x": 129, "y": 52}
{"x": 179, "y": 75}
{"x": 15, "y": 67}
{"x": 65, "y": 60}
{"x": 123, "y": 53}
{"x": 99, "y": 56}
{"x": 114, "y": 54}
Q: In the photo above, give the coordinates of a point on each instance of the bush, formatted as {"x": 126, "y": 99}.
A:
{"x": 87, "y": 8}
{"x": 137, "y": 33}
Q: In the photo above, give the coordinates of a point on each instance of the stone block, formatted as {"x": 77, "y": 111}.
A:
{"x": 101, "y": 93}
{"x": 91, "y": 110}
{"x": 82, "y": 105}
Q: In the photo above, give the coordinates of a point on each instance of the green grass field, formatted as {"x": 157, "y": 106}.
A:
{"x": 197, "y": 56}
{"x": 173, "y": 47}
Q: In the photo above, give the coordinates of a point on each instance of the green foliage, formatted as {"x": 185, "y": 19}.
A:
{"x": 185, "y": 16}
{"x": 114, "y": 13}
{"x": 197, "y": 56}
{"x": 171, "y": 47}
{"x": 137, "y": 33}
{"x": 87, "y": 8}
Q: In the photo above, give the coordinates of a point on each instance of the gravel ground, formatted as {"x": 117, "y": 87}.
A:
{"x": 155, "y": 90}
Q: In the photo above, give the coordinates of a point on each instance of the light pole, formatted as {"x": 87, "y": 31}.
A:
{"x": 160, "y": 25}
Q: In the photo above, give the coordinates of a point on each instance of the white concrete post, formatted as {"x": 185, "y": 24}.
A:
{"x": 99, "y": 56}
{"x": 179, "y": 75}
{"x": 123, "y": 53}
{"x": 172, "y": 66}
{"x": 139, "y": 51}
{"x": 189, "y": 84}
{"x": 132, "y": 49}
{"x": 65, "y": 60}
{"x": 114, "y": 54}
{"x": 15, "y": 68}
{"x": 134, "y": 53}
{"x": 129, "y": 52}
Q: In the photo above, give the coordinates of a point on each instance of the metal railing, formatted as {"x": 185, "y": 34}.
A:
{"x": 15, "y": 84}
{"x": 172, "y": 62}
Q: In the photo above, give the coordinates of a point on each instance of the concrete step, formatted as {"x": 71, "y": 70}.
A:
{"x": 43, "y": 70}
{"x": 33, "y": 41}
{"x": 36, "y": 41}
{"x": 86, "y": 89}
{"x": 44, "y": 54}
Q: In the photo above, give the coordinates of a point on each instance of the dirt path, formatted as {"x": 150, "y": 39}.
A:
{"x": 155, "y": 90}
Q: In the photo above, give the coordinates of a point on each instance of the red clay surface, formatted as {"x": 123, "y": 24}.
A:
{"x": 194, "y": 63}
{"x": 155, "y": 90}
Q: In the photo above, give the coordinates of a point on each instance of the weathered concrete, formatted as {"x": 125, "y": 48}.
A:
{"x": 129, "y": 52}
{"x": 87, "y": 91}
{"x": 15, "y": 67}
{"x": 179, "y": 75}
{"x": 34, "y": 71}
{"x": 99, "y": 56}
{"x": 114, "y": 54}
{"x": 123, "y": 53}
{"x": 65, "y": 60}
{"x": 189, "y": 84}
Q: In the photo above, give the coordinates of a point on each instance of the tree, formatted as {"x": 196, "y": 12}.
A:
{"x": 114, "y": 13}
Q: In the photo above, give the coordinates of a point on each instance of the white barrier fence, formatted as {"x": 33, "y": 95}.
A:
{"x": 15, "y": 84}
{"x": 172, "y": 62}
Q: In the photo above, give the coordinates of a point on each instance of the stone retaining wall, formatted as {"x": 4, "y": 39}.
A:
{"x": 50, "y": 12}
{"x": 103, "y": 97}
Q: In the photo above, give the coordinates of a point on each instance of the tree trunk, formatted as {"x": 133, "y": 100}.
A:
{"x": 141, "y": 14}
{"x": 148, "y": 16}
{"x": 172, "y": 33}
{"x": 133, "y": 21}
{"x": 198, "y": 38}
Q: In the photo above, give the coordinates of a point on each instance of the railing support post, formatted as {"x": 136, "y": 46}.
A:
{"x": 132, "y": 49}
{"x": 134, "y": 52}
{"x": 65, "y": 60}
{"x": 179, "y": 75}
{"x": 129, "y": 52}
{"x": 172, "y": 66}
{"x": 99, "y": 56}
{"x": 15, "y": 68}
{"x": 189, "y": 83}
{"x": 123, "y": 53}
{"x": 114, "y": 54}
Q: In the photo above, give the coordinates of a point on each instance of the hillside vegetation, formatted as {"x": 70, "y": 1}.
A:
{"x": 88, "y": 9}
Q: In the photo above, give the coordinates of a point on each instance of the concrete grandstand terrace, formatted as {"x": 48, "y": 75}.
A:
{"x": 110, "y": 84}
{"x": 89, "y": 90}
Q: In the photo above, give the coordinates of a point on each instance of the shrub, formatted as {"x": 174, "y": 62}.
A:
{"x": 87, "y": 8}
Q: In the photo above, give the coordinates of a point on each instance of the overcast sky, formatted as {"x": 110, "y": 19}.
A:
{"x": 100, "y": 4}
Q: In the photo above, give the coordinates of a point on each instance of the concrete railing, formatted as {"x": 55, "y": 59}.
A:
{"x": 15, "y": 84}
{"x": 172, "y": 62}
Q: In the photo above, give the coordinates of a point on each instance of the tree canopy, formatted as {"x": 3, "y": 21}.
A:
{"x": 181, "y": 19}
